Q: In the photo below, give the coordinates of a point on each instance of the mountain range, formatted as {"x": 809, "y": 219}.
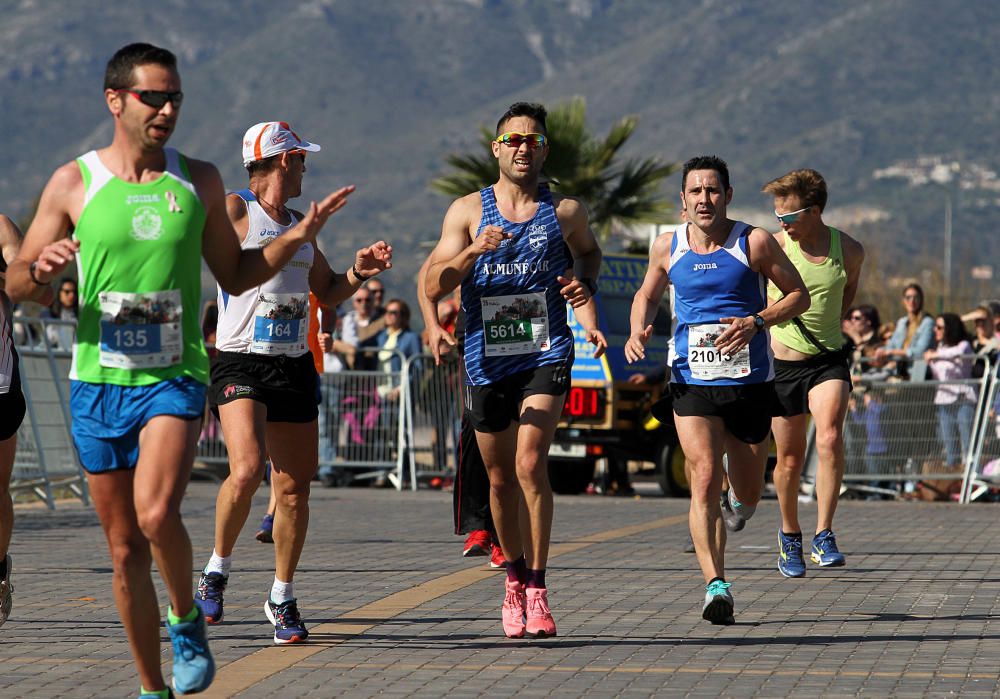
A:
{"x": 390, "y": 87}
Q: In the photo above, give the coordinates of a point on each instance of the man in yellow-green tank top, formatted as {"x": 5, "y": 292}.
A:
{"x": 811, "y": 372}
{"x": 137, "y": 217}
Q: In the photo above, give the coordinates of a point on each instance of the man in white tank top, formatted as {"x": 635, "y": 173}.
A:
{"x": 264, "y": 384}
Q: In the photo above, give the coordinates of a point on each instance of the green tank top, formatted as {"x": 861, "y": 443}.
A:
{"x": 140, "y": 277}
{"x": 825, "y": 282}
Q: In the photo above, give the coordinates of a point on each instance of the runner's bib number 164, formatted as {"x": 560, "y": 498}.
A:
{"x": 708, "y": 363}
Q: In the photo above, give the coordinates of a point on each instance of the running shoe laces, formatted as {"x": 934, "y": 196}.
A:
{"x": 717, "y": 587}
{"x": 208, "y": 596}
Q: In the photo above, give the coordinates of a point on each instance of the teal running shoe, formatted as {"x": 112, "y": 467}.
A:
{"x": 194, "y": 668}
{"x": 790, "y": 561}
{"x": 719, "y": 604}
{"x": 825, "y": 551}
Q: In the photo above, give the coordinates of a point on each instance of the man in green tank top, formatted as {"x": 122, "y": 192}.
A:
{"x": 811, "y": 373}
{"x": 136, "y": 217}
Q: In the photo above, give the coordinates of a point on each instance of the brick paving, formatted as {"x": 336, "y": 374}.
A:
{"x": 914, "y": 613}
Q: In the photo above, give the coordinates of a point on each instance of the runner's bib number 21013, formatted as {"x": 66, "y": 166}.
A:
{"x": 515, "y": 324}
{"x": 141, "y": 331}
{"x": 708, "y": 363}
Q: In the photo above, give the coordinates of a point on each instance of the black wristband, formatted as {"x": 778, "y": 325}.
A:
{"x": 31, "y": 272}
{"x": 357, "y": 275}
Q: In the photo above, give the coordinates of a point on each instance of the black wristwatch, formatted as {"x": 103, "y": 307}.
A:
{"x": 591, "y": 285}
{"x": 758, "y": 322}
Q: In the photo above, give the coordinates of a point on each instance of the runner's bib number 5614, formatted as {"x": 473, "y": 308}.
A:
{"x": 516, "y": 324}
{"x": 708, "y": 363}
{"x": 141, "y": 331}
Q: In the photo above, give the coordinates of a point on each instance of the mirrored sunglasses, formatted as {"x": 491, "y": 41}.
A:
{"x": 515, "y": 139}
{"x": 791, "y": 217}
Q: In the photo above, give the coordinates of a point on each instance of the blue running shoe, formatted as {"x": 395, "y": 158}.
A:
{"x": 208, "y": 596}
{"x": 194, "y": 668}
{"x": 719, "y": 605}
{"x": 265, "y": 534}
{"x": 790, "y": 561}
{"x": 288, "y": 625}
{"x": 825, "y": 552}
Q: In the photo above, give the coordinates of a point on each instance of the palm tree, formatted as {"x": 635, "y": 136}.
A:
{"x": 581, "y": 165}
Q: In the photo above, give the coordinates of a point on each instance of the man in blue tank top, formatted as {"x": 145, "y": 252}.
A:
{"x": 721, "y": 373}
{"x": 521, "y": 254}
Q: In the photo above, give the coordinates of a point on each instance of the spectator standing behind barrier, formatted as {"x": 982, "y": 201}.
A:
{"x": 956, "y": 402}
{"x": 985, "y": 342}
{"x": 65, "y": 307}
{"x": 914, "y": 332}
{"x": 358, "y": 331}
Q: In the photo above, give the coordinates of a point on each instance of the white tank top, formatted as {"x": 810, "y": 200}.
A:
{"x": 273, "y": 318}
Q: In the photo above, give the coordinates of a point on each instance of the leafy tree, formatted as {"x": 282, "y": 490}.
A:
{"x": 581, "y": 165}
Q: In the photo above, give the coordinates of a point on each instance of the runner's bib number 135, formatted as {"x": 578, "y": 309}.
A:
{"x": 140, "y": 331}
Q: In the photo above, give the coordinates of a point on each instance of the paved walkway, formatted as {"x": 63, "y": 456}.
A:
{"x": 394, "y": 610}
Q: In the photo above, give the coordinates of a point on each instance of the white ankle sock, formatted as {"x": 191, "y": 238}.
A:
{"x": 282, "y": 591}
{"x": 218, "y": 564}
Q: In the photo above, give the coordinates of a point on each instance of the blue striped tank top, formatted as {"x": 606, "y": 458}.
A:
{"x": 709, "y": 287}
{"x": 515, "y": 315}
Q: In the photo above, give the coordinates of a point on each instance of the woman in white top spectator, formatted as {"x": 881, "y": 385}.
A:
{"x": 66, "y": 308}
{"x": 950, "y": 361}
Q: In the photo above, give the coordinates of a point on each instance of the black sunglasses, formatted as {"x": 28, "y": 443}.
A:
{"x": 157, "y": 98}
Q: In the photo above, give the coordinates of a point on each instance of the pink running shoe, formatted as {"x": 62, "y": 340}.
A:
{"x": 540, "y": 621}
{"x": 513, "y": 610}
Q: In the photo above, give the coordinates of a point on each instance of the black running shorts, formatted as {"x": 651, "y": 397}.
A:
{"x": 794, "y": 379}
{"x": 287, "y": 386}
{"x": 745, "y": 409}
{"x": 491, "y": 408}
{"x": 12, "y": 407}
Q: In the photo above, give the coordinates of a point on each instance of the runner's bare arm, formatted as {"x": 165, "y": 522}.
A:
{"x": 238, "y": 270}
{"x": 766, "y": 257}
{"x": 586, "y": 314}
{"x": 647, "y": 298}
{"x": 854, "y": 257}
{"x": 438, "y": 339}
{"x": 332, "y": 288}
{"x": 575, "y": 223}
{"x": 47, "y": 244}
{"x": 459, "y": 247}
{"x": 10, "y": 243}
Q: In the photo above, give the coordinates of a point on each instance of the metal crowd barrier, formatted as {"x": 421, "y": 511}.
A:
{"x": 983, "y": 470}
{"x": 895, "y": 437}
{"x": 361, "y": 422}
{"x": 433, "y": 415}
{"x": 45, "y": 459}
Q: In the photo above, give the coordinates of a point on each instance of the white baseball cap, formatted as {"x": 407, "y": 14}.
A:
{"x": 271, "y": 138}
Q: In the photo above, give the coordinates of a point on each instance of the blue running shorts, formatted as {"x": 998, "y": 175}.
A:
{"x": 107, "y": 418}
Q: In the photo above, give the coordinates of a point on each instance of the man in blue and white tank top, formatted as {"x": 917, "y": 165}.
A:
{"x": 721, "y": 367}
{"x": 264, "y": 384}
{"x": 520, "y": 253}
